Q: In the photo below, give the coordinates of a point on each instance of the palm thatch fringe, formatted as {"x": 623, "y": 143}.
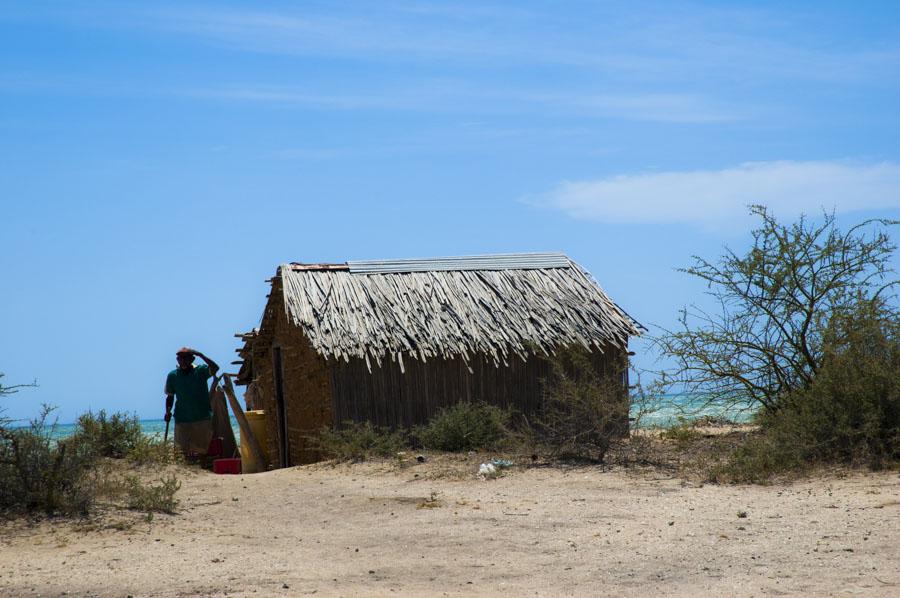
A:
{"x": 429, "y": 314}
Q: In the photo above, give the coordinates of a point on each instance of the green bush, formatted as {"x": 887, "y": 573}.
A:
{"x": 355, "y": 441}
{"x": 113, "y": 436}
{"x": 849, "y": 415}
{"x": 583, "y": 413}
{"x": 465, "y": 426}
{"x": 37, "y": 473}
{"x": 150, "y": 498}
{"x": 851, "y": 412}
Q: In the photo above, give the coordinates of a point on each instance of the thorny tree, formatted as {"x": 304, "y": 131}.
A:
{"x": 773, "y": 307}
{"x": 8, "y": 390}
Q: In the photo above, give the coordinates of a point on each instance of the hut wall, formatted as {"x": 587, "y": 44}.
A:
{"x": 389, "y": 397}
{"x": 319, "y": 392}
{"x": 306, "y": 384}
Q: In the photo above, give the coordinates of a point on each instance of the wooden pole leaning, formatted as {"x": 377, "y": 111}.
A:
{"x": 244, "y": 425}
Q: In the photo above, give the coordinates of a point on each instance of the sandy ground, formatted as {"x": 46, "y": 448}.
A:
{"x": 380, "y": 530}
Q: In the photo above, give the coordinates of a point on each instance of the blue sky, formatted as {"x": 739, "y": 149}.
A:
{"x": 159, "y": 160}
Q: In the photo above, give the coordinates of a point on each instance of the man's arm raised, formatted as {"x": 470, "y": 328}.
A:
{"x": 213, "y": 366}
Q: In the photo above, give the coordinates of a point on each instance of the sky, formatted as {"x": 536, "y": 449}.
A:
{"x": 159, "y": 160}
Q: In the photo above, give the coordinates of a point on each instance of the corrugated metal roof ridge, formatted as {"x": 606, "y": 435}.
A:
{"x": 498, "y": 261}
{"x": 302, "y": 266}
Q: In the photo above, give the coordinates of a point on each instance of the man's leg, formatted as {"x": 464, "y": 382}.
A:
{"x": 193, "y": 438}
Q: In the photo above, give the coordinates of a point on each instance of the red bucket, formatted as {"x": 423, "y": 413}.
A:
{"x": 227, "y": 466}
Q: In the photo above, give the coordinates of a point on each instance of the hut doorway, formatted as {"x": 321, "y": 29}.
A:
{"x": 284, "y": 451}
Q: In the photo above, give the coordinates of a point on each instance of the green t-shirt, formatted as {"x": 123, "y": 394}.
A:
{"x": 191, "y": 393}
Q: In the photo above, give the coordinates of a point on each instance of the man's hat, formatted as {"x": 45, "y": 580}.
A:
{"x": 184, "y": 351}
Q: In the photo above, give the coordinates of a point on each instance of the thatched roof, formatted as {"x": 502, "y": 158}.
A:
{"x": 500, "y": 305}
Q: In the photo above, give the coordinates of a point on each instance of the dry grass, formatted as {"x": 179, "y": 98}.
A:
{"x": 691, "y": 454}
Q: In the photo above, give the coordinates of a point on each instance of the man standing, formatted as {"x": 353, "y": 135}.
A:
{"x": 193, "y": 415}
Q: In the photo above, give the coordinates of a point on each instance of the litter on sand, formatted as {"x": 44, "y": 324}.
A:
{"x": 488, "y": 471}
{"x": 492, "y": 468}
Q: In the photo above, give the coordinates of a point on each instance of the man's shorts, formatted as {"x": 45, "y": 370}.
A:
{"x": 194, "y": 437}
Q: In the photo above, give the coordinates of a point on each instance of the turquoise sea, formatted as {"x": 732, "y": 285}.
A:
{"x": 668, "y": 411}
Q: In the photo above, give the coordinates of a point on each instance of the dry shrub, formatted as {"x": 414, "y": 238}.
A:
{"x": 150, "y": 497}
{"x": 584, "y": 412}
{"x": 40, "y": 474}
{"x": 152, "y": 450}
{"x": 683, "y": 433}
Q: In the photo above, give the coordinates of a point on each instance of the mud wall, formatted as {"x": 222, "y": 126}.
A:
{"x": 306, "y": 385}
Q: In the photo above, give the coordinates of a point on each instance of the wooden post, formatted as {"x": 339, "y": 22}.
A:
{"x": 244, "y": 425}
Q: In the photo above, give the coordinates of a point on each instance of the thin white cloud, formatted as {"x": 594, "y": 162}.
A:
{"x": 649, "y": 107}
{"x": 644, "y": 42}
{"x": 674, "y": 45}
{"x": 710, "y": 197}
{"x": 458, "y": 96}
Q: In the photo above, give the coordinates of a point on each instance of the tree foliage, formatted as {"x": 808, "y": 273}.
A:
{"x": 775, "y": 306}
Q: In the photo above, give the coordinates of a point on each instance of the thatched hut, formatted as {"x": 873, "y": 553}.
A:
{"x": 392, "y": 342}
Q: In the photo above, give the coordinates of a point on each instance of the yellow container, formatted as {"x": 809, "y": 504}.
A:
{"x": 257, "y": 421}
